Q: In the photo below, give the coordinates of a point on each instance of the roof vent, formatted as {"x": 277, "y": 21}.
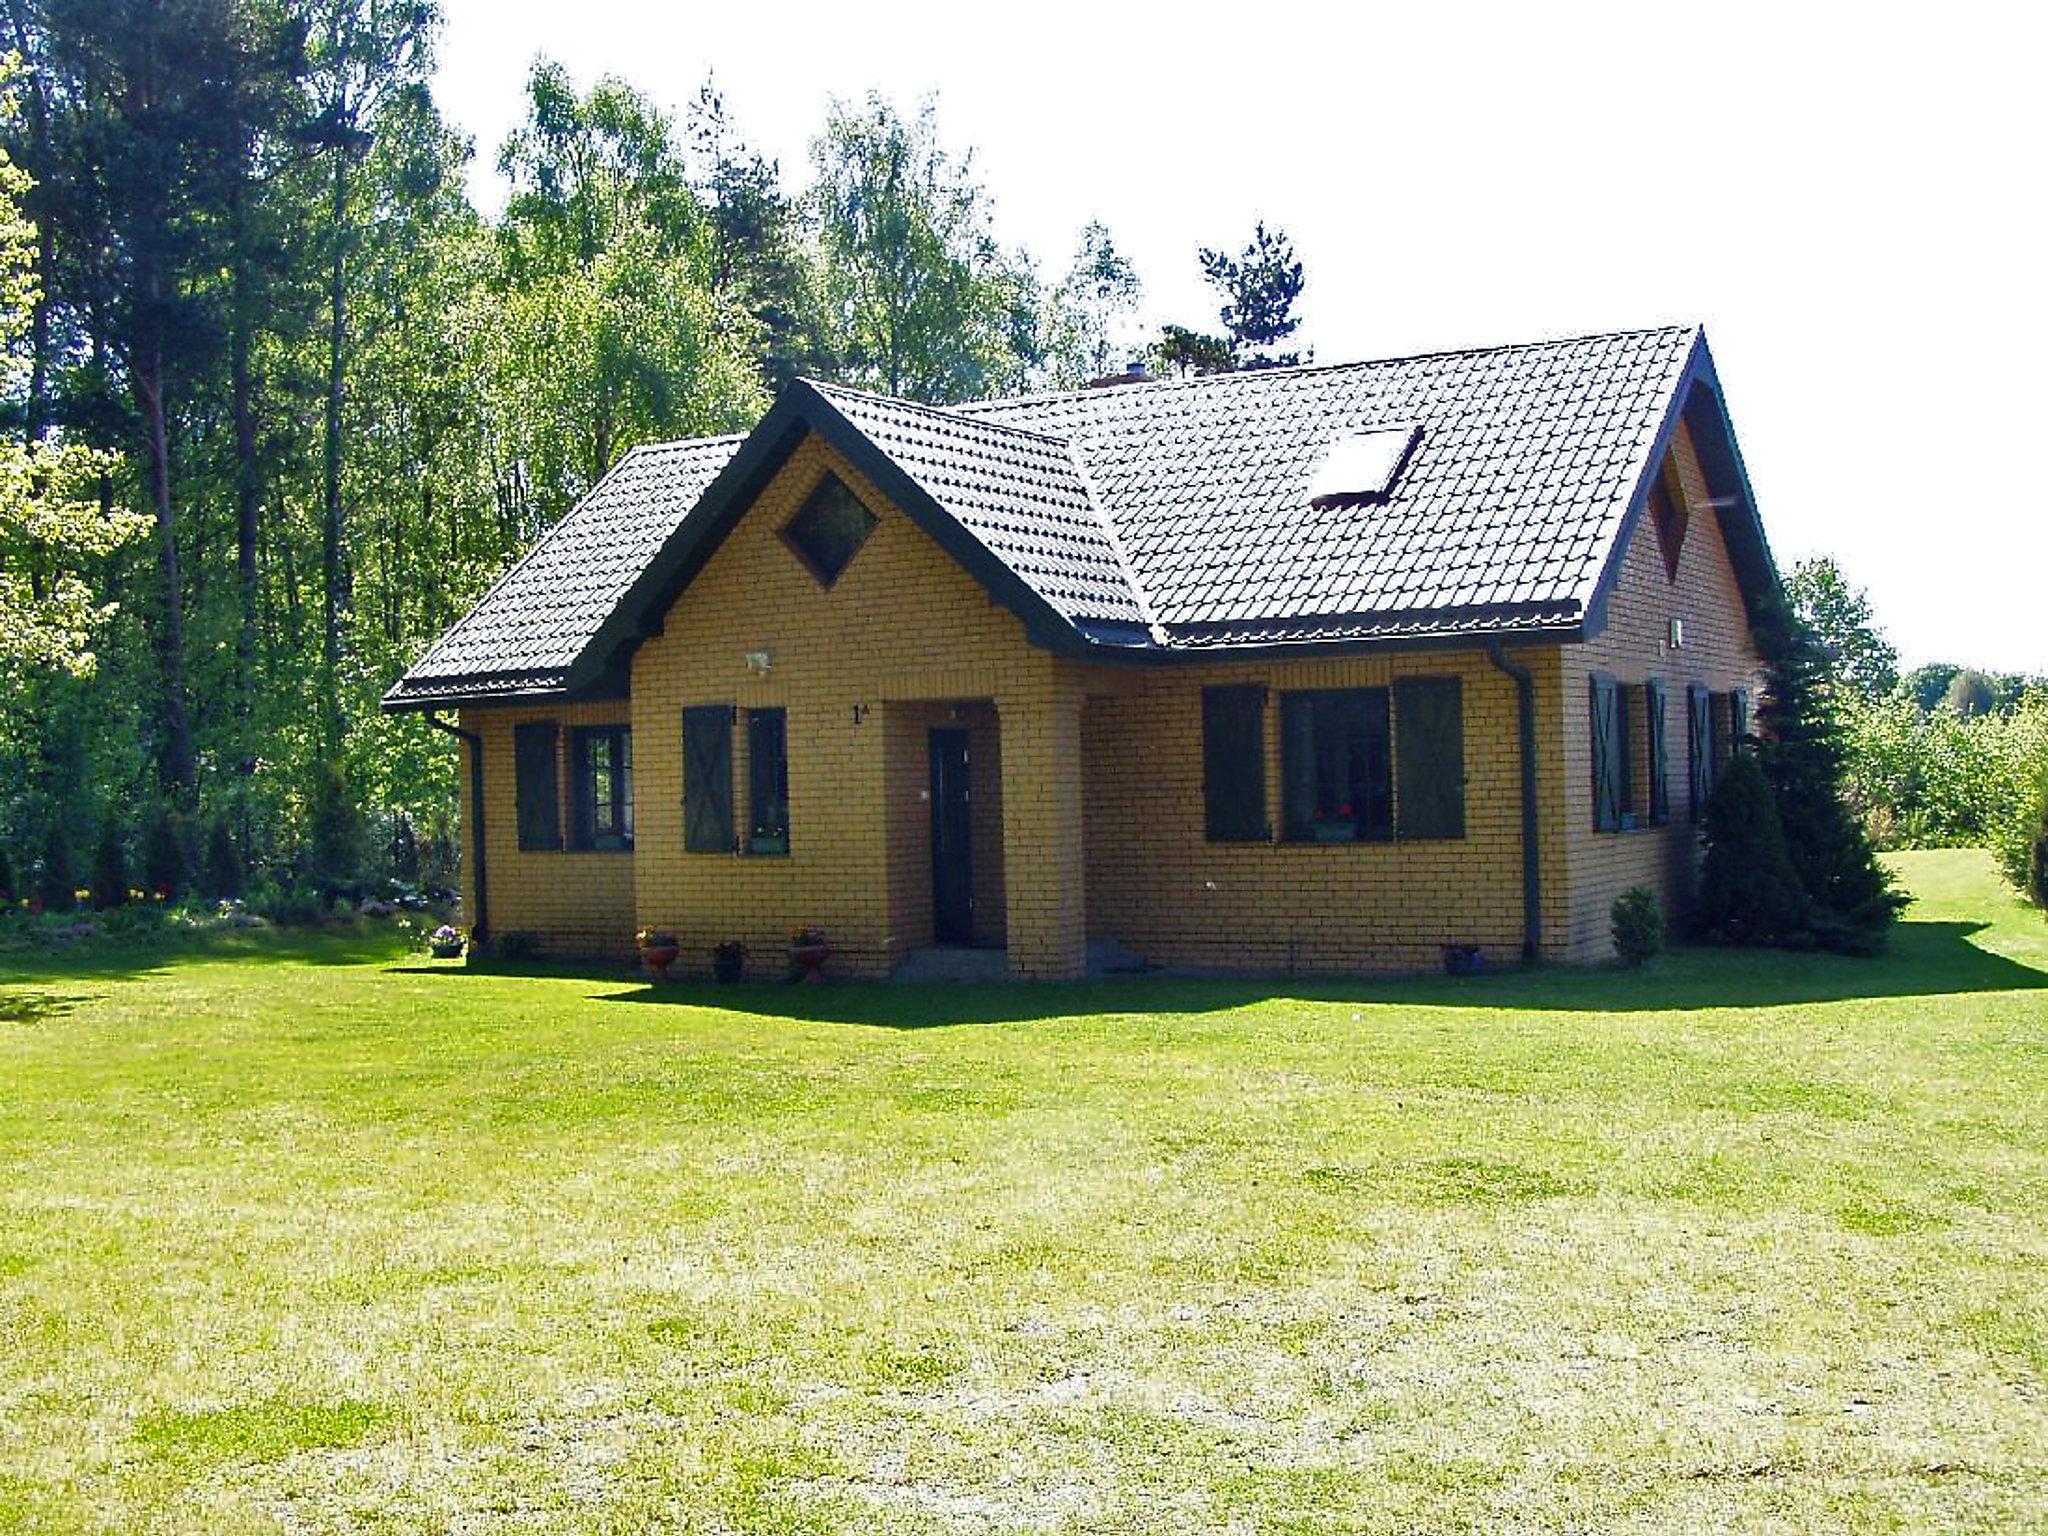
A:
{"x": 1134, "y": 374}
{"x": 1360, "y": 469}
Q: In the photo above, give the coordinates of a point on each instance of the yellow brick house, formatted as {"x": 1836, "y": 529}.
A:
{"x": 1313, "y": 669}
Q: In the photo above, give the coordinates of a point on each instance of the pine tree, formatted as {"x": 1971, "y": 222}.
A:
{"x": 1749, "y": 891}
{"x": 1853, "y": 903}
{"x": 110, "y": 868}
{"x": 223, "y": 863}
{"x": 56, "y": 885}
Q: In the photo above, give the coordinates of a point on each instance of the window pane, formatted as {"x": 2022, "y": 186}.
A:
{"x": 830, "y": 529}
{"x": 1337, "y": 765}
{"x": 768, "y": 781}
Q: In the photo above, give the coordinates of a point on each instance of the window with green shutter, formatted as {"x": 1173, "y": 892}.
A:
{"x": 1429, "y": 755}
{"x": 1337, "y": 765}
{"x": 1234, "y": 764}
{"x": 707, "y": 778}
{"x": 1699, "y": 736}
{"x": 1612, "y": 794}
{"x": 767, "y": 781}
{"x": 1659, "y": 763}
{"x": 538, "y": 780}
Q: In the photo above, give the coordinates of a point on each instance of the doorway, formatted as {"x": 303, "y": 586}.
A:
{"x": 952, "y": 839}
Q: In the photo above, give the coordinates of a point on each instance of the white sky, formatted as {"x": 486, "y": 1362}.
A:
{"x": 1849, "y": 197}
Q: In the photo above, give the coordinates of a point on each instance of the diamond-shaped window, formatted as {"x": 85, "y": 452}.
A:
{"x": 830, "y": 529}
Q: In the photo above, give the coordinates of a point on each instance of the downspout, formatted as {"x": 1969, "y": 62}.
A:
{"x": 1532, "y": 853}
{"x": 480, "y": 930}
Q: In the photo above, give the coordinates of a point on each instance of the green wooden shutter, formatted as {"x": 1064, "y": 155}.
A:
{"x": 1606, "y": 757}
{"x": 1429, "y": 755}
{"x": 539, "y": 785}
{"x": 1699, "y": 741}
{"x": 1660, "y": 754}
{"x": 1234, "y": 763}
{"x": 707, "y": 778}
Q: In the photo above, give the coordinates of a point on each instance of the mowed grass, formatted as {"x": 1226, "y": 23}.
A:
{"x": 309, "y": 1235}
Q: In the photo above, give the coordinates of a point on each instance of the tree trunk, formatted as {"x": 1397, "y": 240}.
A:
{"x": 178, "y": 764}
{"x": 333, "y": 722}
{"x": 248, "y": 479}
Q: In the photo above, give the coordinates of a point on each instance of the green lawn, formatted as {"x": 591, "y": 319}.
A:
{"x": 310, "y": 1235}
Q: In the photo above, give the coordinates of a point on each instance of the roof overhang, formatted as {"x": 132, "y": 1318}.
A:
{"x": 1697, "y": 401}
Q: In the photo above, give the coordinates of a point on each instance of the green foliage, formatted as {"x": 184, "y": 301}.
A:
{"x": 56, "y": 882}
{"x": 1638, "y": 925}
{"x": 2035, "y": 883}
{"x": 223, "y": 874}
{"x": 1970, "y": 692}
{"x": 1259, "y": 286}
{"x": 1804, "y": 754}
{"x": 334, "y": 844}
{"x": 1861, "y": 660}
{"x": 1750, "y": 892}
{"x": 166, "y": 865}
{"x": 7, "y": 891}
{"x": 110, "y": 868}
{"x": 921, "y": 299}
{"x": 1089, "y": 315}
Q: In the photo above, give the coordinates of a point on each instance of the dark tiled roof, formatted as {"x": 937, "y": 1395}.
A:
{"x": 1528, "y": 458}
{"x": 528, "y": 630}
{"x": 1172, "y": 514}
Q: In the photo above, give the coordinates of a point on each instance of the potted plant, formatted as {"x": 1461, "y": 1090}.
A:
{"x": 728, "y": 960}
{"x": 808, "y": 952}
{"x": 658, "y": 951}
{"x": 1464, "y": 960}
{"x": 445, "y": 942}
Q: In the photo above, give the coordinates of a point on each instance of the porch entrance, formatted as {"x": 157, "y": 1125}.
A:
{"x": 952, "y": 837}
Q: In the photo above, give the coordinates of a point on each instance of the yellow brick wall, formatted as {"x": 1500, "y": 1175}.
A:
{"x": 1719, "y": 653}
{"x": 1162, "y": 891}
{"x": 903, "y": 626}
{"x": 573, "y": 901}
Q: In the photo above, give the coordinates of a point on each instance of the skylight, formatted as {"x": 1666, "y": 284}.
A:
{"x": 1360, "y": 469}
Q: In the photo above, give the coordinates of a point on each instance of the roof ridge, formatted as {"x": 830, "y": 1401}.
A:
{"x": 1300, "y": 370}
{"x": 951, "y": 413}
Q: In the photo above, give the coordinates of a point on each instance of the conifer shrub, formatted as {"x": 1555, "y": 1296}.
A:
{"x": 110, "y": 869}
{"x": 56, "y": 883}
{"x": 334, "y": 842}
{"x": 1638, "y": 926}
{"x": 166, "y": 873}
{"x": 1850, "y": 902}
{"x": 223, "y": 868}
{"x": 1749, "y": 891}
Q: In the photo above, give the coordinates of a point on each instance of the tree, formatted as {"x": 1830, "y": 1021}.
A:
{"x": 1970, "y": 692}
{"x": 110, "y": 868}
{"x": 1259, "y": 286}
{"x": 1749, "y": 891}
{"x": 54, "y": 539}
{"x": 1089, "y": 314}
{"x": 1803, "y": 753}
{"x": 364, "y": 56}
{"x": 923, "y": 301}
{"x": 1862, "y": 659}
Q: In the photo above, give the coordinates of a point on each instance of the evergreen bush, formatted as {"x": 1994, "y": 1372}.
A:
{"x": 165, "y": 870}
{"x": 2037, "y": 856}
{"x": 1749, "y": 891}
{"x": 1850, "y": 901}
{"x": 334, "y": 842}
{"x": 56, "y": 884}
{"x": 1638, "y": 926}
{"x": 223, "y": 871}
{"x": 110, "y": 869}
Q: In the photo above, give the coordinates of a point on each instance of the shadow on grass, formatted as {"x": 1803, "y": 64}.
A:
{"x": 121, "y": 957}
{"x": 1926, "y": 959}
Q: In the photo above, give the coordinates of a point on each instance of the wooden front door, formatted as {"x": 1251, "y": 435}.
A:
{"x": 952, "y": 841}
